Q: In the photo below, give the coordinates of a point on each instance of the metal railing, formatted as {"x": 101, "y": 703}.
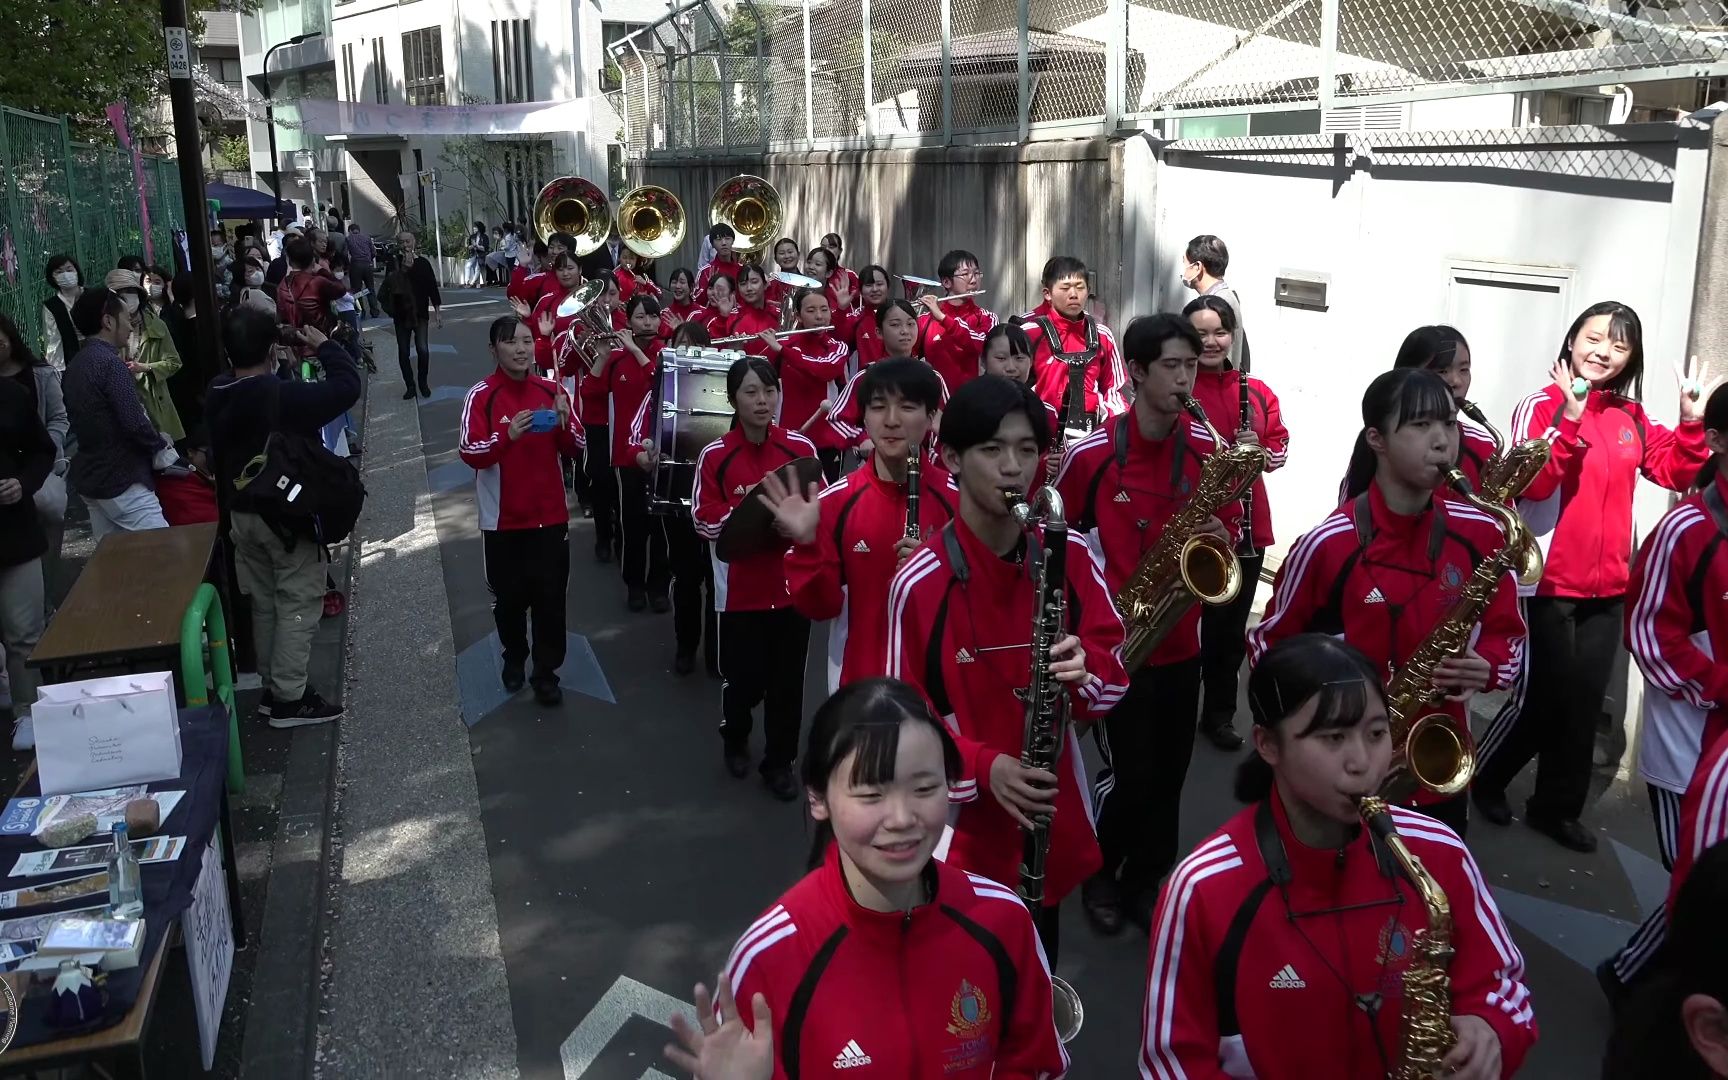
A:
{"x": 60, "y": 196}
{"x": 720, "y": 76}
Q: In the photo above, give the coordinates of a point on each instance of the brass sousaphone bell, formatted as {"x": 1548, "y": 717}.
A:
{"x": 651, "y": 221}
{"x": 575, "y": 206}
{"x": 752, "y": 207}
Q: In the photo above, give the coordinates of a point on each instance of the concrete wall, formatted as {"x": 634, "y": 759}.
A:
{"x": 1013, "y": 206}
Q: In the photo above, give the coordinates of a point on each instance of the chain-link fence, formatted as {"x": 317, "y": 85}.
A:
{"x": 58, "y": 196}
{"x": 760, "y": 75}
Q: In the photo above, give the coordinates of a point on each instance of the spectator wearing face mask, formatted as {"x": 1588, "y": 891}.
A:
{"x": 59, "y": 336}
{"x": 117, "y": 444}
{"x": 151, "y": 357}
{"x": 248, "y": 289}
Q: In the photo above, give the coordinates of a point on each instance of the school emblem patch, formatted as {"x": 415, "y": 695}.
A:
{"x": 969, "y": 1013}
{"x": 1626, "y": 436}
{"x": 1452, "y": 578}
{"x": 1394, "y": 942}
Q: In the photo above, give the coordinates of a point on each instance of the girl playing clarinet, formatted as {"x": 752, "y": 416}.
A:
{"x": 1280, "y": 945}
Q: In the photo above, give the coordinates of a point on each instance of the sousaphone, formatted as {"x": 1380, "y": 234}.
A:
{"x": 651, "y": 221}
{"x": 752, "y": 207}
{"x": 575, "y": 206}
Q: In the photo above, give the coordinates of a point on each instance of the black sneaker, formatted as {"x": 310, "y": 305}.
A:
{"x": 265, "y": 705}
{"x": 513, "y": 676}
{"x": 1567, "y": 832}
{"x": 638, "y": 600}
{"x": 684, "y": 663}
{"x": 1220, "y": 730}
{"x": 660, "y": 605}
{"x": 310, "y": 709}
{"x": 425, "y": 391}
{"x": 548, "y": 693}
{"x": 408, "y": 394}
{"x": 780, "y": 783}
{"x": 1492, "y": 802}
{"x": 738, "y": 763}
{"x": 1101, "y": 901}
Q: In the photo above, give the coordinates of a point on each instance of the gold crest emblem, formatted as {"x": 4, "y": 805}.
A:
{"x": 969, "y": 1013}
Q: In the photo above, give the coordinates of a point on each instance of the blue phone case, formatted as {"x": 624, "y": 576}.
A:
{"x": 544, "y": 420}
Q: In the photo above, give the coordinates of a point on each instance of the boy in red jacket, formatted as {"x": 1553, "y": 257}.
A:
{"x": 847, "y": 543}
{"x": 951, "y": 332}
{"x": 631, "y": 373}
{"x": 722, "y": 236}
{"x": 960, "y": 621}
{"x": 1075, "y": 361}
{"x": 1121, "y": 485}
{"x": 515, "y": 426}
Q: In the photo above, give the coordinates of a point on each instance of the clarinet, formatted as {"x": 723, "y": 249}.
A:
{"x": 913, "y": 468}
{"x": 1246, "y": 545}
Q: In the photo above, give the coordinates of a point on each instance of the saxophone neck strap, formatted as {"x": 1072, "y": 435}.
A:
{"x": 1362, "y": 514}
{"x": 963, "y": 567}
{"x": 1272, "y": 853}
{"x": 1122, "y": 439}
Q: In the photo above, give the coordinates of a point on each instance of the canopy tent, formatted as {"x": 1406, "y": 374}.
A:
{"x": 246, "y": 204}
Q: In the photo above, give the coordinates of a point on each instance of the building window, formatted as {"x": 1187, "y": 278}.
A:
{"x": 611, "y": 33}
{"x": 423, "y": 66}
{"x": 348, "y": 72}
{"x": 223, "y": 69}
{"x": 527, "y": 167}
{"x": 512, "y": 61}
{"x": 380, "y": 74}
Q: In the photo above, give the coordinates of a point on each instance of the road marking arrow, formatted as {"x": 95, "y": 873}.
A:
{"x": 625, "y": 1000}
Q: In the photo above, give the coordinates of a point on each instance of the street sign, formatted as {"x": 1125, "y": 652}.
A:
{"x": 179, "y": 52}
{"x": 626, "y": 1000}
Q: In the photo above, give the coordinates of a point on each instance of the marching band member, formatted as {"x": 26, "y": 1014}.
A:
{"x": 543, "y": 320}
{"x": 1384, "y": 569}
{"x": 722, "y": 304}
{"x": 752, "y": 315}
{"x": 1677, "y": 631}
{"x": 1219, "y": 388}
{"x": 722, "y": 236}
{"x": 819, "y": 264}
{"x": 847, "y": 542}
{"x": 630, "y": 374}
{"x": 1071, "y": 349}
{"x": 594, "y": 397}
{"x": 634, "y": 276}
{"x": 1121, "y": 484}
{"x": 693, "y": 618}
{"x": 951, "y": 332}
{"x": 682, "y": 308}
{"x": 528, "y": 281}
{"x": 514, "y": 448}
{"x": 1008, "y": 352}
{"x": 884, "y": 958}
{"x": 1443, "y": 350}
{"x": 1580, "y": 508}
{"x": 1280, "y": 945}
{"x": 763, "y": 639}
{"x": 960, "y": 615}
{"x": 897, "y": 330}
{"x": 832, "y": 242}
{"x": 809, "y": 364}
{"x": 856, "y": 324}
{"x": 786, "y": 259}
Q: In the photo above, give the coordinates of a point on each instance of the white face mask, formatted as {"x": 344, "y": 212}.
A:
{"x": 255, "y": 278}
{"x": 130, "y": 302}
{"x": 66, "y": 279}
{"x": 155, "y": 292}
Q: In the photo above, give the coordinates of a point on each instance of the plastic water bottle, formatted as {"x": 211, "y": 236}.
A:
{"x": 125, "y": 880}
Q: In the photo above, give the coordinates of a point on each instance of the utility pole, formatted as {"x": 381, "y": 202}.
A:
{"x": 190, "y": 157}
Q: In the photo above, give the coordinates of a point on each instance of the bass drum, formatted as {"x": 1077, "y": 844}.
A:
{"x": 688, "y": 411}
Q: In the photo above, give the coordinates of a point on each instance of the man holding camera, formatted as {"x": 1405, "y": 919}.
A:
{"x": 281, "y": 573}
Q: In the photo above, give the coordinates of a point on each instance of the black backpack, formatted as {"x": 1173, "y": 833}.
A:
{"x": 298, "y": 487}
{"x": 396, "y": 294}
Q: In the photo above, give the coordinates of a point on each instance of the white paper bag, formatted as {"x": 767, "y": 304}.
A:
{"x": 102, "y": 733}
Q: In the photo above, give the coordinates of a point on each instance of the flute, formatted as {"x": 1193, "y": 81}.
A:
{"x": 778, "y": 334}
{"x": 913, "y": 468}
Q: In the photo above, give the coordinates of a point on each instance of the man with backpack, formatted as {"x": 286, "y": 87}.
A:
{"x": 287, "y": 498}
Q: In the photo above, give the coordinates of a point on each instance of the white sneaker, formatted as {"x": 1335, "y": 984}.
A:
{"x": 23, "y": 733}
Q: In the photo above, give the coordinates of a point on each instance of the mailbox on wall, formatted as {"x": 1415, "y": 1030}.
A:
{"x": 1301, "y": 289}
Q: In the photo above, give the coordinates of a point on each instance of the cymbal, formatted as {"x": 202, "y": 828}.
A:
{"x": 750, "y": 528}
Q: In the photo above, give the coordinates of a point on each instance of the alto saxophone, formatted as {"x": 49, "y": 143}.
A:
{"x": 1046, "y": 709}
{"x": 1505, "y": 475}
{"x": 1431, "y": 749}
{"x": 1425, "y": 1035}
{"x": 1185, "y": 565}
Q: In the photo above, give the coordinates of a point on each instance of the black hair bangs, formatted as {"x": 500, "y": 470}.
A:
{"x": 906, "y": 378}
{"x": 1417, "y": 400}
{"x": 1309, "y": 667}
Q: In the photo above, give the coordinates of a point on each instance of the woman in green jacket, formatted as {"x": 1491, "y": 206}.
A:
{"x": 152, "y": 358}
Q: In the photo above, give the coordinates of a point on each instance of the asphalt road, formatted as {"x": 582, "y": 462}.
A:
{"x": 625, "y": 862}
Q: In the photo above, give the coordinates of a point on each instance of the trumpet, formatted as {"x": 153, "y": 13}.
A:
{"x": 779, "y": 334}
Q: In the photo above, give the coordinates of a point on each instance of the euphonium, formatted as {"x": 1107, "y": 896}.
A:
{"x": 1431, "y": 749}
{"x": 1046, "y": 709}
{"x": 1426, "y": 1035}
{"x": 589, "y": 335}
{"x": 1185, "y": 565}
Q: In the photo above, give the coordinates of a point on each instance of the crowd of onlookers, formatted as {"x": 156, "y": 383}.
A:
{"x": 116, "y": 409}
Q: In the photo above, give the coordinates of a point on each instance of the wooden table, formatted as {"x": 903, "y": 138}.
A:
{"x": 124, "y": 613}
{"x": 118, "y": 1045}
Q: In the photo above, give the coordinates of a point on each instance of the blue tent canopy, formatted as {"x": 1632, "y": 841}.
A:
{"x": 246, "y": 204}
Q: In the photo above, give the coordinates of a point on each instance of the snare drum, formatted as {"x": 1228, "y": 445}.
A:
{"x": 689, "y": 410}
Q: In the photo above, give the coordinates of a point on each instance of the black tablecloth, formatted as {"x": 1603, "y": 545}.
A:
{"x": 167, "y": 885}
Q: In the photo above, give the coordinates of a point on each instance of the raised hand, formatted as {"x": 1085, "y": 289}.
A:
{"x": 1572, "y": 403}
{"x": 727, "y": 1048}
{"x": 796, "y": 514}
